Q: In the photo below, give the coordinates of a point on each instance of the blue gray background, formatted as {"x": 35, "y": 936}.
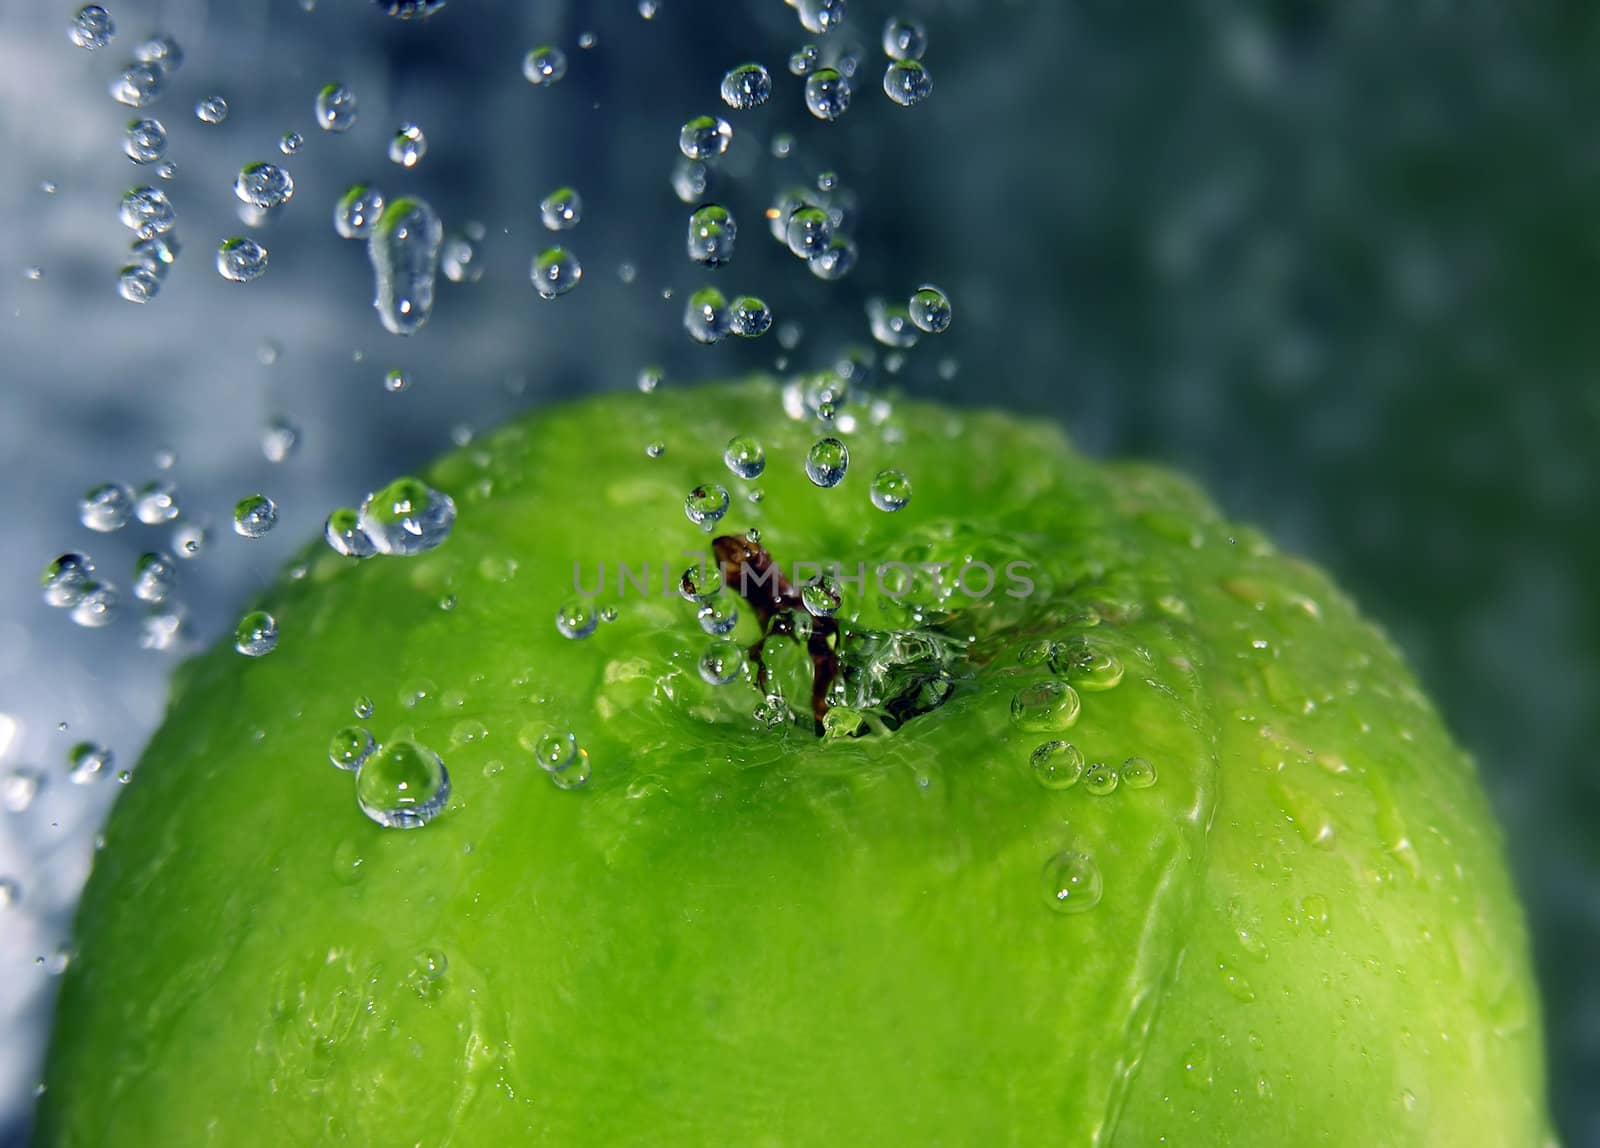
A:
{"x": 1338, "y": 259}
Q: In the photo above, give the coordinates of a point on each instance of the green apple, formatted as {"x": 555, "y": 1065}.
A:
{"x": 1153, "y": 841}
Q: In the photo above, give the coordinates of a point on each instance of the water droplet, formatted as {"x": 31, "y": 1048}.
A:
{"x": 1072, "y": 882}
{"x": 804, "y": 60}
{"x": 410, "y": 9}
{"x": 750, "y": 317}
{"x": 291, "y": 142}
{"x": 460, "y": 260}
{"x": 827, "y": 93}
{"x": 10, "y": 893}
{"x": 241, "y": 260}
{"x": 138, "y": 284}
{"x": 555, "y": 272}
{"x": 395, "y": 380}
{"x": 904, "y": 39}
{"x": 358, "y": 211}
{"x": 351, "y": 746}
{"x": 1138, "y": 773}
{"x": 1314, "y": 908}
{"x": 156, "y": 503}
{"x": 821, "y": 597}
{"x": 97, "y": 607}
{"x": 808, "y": 231}
{"x": 747, "y": 86}
{"x": 891, "y": 490}
{"x": 712, "y": 231}
{"x": 161, "y": 629}
{"x": 66, "y": 579}
{"x": 930, "y": 310}
{"x": 819, "y": 15}
{"x": 691, "y": 180}
{"x": 147, "y": 212}
{"x": 701, "y": 582}
{"x": 1100, "y": 779}
{"x": 336, "y": 108}
{"x": 139, "y": 85}
{"x": 363, "y": 707}
{"x": 562, "y": 209}
{"x": 655, "y": 449}
{"x": 722, "y": 662}
{"x": 745, "y": 456}
{"x": 576, "y": 619}
{"x": 544, "y": 66}
{"x": 836, "y": 260}
{"x": 160, "y": 52}
{"x": 211, "y": 110}
{"x": 92, "y": 28}
{"x": 256, "y": 634}
{"x": 1045, "y": 706}
{"x": 907, "y": 82}
{"x": 1086, "y": 664}
{"x": 404, "y": 250}
{"x": 18, "y": 789}
{"x": 891, "y": 324}
{"x": 145, "y": 141}
{"x": 1235, "y": 983}
{"x": 87, "y": 762}
{"x": 408, "y": 146}
{"x": 263, "y": 185}
{"x": 153, "y": 577}
{"x": 279, "y": 440}
{"x": 718, "y": 617}
{"x": 344, "y": 534}
{"x": 254, "y": 515}
{"x": 189, "y": 541}
{"x": 106, "y": 507}
{"x": 554, "y": 749}
{"x": 827, "y": 461}
{"x": 1197, "y": 1066}
{"x": 407, "y": 517}
{"x": 1057, "y": 764}
{"x": 404, "y": 785}
{"x": 705, "y": 316}
{"x": 705, "y": 137}
{"x": 706, "y": 504}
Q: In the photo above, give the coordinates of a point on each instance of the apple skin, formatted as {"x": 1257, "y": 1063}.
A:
{"x": 737, "y": 936}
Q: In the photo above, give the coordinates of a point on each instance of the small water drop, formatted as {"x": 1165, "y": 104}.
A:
{"x": 106, "y": 507}
{"x": 705, "y": 137}
{"x": 404, "y": 251}
{"x": 804, "y": 60}
{"x": 92, "y": 28}
{"x": 1100, "y": 779}
{"x": 891, "y": 490}
{"x": 147, "y": 212}
{"x": 1137, "y": 773}
{"x": 256, "y": 634}
{"x": 821, "y": 597}
{"x": 555, "y": 272}
{"x": 576, "y": 619}
{"x": 263, "y": 185}
{"x": 562, "y": 209}
{"x": 67, "y": 579}
{"x": 344, "y": 534}
{"x": 712, "y": 231}
{"x": 18, "y": 788}
{"x": 745, "y": 456}
{"x": 808, "y": 232}
{"x": 1045, "y": 706}
{"x": 907, "y": 82}
{"x": 930, "y": 310}
{"x": 1056, "y": 764}
{"x": 891, "y": 324}
{"x": 153, "y": 577}
{"x": 1072, "y": 882}
{"x": 407, "y": 146}
{"x": 291, "y": 142}
{"x": 705, "y": 315}
{"x": 544, "y": 66}
{"x": 706, "y": 504}
{"x": 904, "y": 39}
{"x": 827, "y": 94}
{"x": 87, "y": 762}
{"x": 819, "y": 16}
{"x": 336, "y": 108}
{"x": 254, "y": 515}
{"x": 211, "y": 109}
{"x": 747, "y": 86}
{"x": 827, "y": 461}
{"x": 718, "y": 617}
{"x": 358, "y": 211}
{"x": 190, "y": 541}
{"x": 156, "y": 503}
{"x": 722, "y": 662}
{"x": 280, "y": 439}
{"x": 749, "y": 317}
{"x": 145, "y": 141}
{"x": 138, "y": 284}
{"x": 351, "y": 746}
{"x": 139, "y": 85}
{"x": 241, "y": 260}
{"x": 404, "y": 785}
{"x": 407, "y": 517}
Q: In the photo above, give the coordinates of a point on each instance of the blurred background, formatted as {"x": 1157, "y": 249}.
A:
{"x": 1338, "y": 258}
